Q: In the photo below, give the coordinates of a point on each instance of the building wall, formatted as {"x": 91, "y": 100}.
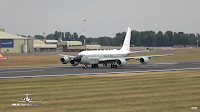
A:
{"x": 18, "y": 46}
{"x": 30, "y": 46}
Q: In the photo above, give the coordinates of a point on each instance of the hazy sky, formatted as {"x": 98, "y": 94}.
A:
{"x": 103, "y": 17}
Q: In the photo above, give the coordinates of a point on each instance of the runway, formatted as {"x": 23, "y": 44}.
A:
{"x": 78, "y": 70}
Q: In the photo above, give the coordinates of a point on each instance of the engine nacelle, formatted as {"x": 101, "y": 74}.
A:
{"x": 74, "y": 63}
{"x": 30, "y": 98}
{"x": 23, "y": 98}
{"x": 144, "y": 60}
{"x": 121, "y": 62}
{"x": 64, "y": 60}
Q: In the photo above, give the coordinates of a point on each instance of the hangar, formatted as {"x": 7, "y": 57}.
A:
{"x": 10, "y": 43}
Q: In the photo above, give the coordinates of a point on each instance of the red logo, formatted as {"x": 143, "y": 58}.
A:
{"x": 3, "y": 58}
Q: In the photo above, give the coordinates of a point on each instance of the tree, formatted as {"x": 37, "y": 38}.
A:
{"x": 166, "y": 40}
{"x": 170, "y": 34}
{"x": 119, "y": 38}
{"x": 184, "y": 40}
{"x": 56, "y": 35}
{"x": 192, "y": 39}
{"x": 75, "y": 35}
{"x": 175, "y": 39}
{"x": 88, "y": 40}
{"x": 81, "y": 38}
{"x": 67, "y": 36}
{"x": 153, "y": 39}
{"x": 159, "y": 38}
{"x": 39, "y": 37}
{"x": 63, "y": 36}
{"x": 135, "y": 38}
{"x": 50, "y": 37}
{"x": 102, "y": 41}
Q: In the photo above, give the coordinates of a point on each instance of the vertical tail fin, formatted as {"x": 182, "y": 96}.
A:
{"x": 126, "y": 44}
{"x": 1, "y": 55}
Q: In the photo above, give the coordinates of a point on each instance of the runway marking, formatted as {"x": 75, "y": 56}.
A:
{"x": 149, "y": 65}
{"x": 195, "y": 63}
{"x": 38, "y": 67}
{"x": 81, "y": 65}
{"x": 22, "y": 71}
{"x": 102, "y": 73}
{"x": 167, "y": 63}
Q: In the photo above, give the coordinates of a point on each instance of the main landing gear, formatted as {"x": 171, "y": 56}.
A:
{"x": 95, "y": 66}
{"x": 105, "y": 64}
{"x": 113, "y": 66}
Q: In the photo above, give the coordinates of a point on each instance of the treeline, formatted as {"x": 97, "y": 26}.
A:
{"x": 143, "y": 38}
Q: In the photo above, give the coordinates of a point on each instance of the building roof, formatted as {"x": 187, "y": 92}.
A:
{"x": 38, "y": 41}
{"x": 4, "y": 35}
{"x": 45, "y": 46}
{"x": 73, "y": 42}
{"x": 50, "y": 41}
{"x": 86, "y": 47}
{"x": 70, "y": 43}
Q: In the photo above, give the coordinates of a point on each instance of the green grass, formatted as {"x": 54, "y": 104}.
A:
{"x": 54, "y": 60}
{"x": 141, "y": 92}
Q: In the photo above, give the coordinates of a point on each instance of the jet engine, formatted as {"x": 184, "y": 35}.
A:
{"x": 144, "y": 60}
{"x": 23, "y": 98}
{"x": 64, "y": 60}
{"x": 30, "y": 98}
{"x": 121, "y": 62}
{"x": 74, "y": 63}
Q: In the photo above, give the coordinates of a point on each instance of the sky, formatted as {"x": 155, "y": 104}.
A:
{"x": 103, "y": 17}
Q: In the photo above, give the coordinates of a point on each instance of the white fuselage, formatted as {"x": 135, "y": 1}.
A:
{"x": 90, "y": 56}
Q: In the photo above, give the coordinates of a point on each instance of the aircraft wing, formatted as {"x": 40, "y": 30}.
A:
{"x": 36, "y": 101}
{"x": 18, "y": 101}
{"x": 136, "y": 57}
{"x": 138, "y": 51}
{"x": 150, "y": 56}
{"x": 67, "y": 56}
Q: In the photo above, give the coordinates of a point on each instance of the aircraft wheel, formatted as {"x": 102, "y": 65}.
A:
{"x": 105, "y": 64}
{"x": 95, "y": 65}
{"x": 92, "y": 65}
{"x": 111, "y": 66}
{"x": 115, "y": 66}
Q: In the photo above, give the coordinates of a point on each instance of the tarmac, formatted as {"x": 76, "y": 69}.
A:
{"x": 78, "y": 70}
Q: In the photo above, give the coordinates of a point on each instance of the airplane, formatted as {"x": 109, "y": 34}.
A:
{"x": 3, "y": 58}
{"x": 116, "y": 58}
{"x": 27, "y": 99}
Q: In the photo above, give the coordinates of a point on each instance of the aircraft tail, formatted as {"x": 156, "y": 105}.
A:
{"x": 126, "y": 44}
{"x": 1, "y": 55}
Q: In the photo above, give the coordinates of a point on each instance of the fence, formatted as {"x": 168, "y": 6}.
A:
{"x": 167, "y": 48}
